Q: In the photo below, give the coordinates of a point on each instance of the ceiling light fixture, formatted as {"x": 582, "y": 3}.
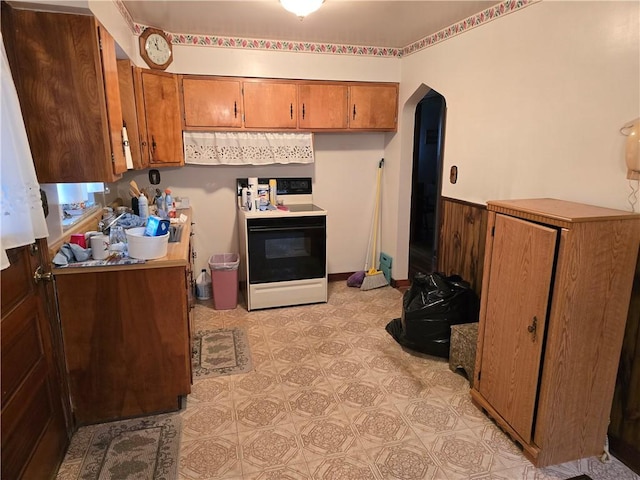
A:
{"x": 301, "y": 8}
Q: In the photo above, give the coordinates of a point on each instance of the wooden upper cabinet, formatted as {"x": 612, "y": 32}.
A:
{"x": 270, "y": 104}
{"x": 64, "y": 68}
{"x": 129, "y": 113}
{"x": 322, "y": 106}
{"x": 373, "y": 107}
{"x": 159, "y": 117}
{"x": 212, "y": 102}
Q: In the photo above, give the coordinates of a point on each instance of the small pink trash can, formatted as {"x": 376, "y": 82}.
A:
{"x": 224, "y": 280}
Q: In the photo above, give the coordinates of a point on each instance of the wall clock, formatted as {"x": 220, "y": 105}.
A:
{"x": 155, "y": 49}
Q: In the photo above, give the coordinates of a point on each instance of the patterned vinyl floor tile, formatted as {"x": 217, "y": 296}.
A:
{"x": 333, "y": 397}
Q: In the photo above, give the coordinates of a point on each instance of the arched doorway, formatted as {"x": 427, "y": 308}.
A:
{"x": 426, "y": 183}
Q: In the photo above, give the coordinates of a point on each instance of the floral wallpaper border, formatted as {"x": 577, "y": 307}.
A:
{"x": 499, "y": 10}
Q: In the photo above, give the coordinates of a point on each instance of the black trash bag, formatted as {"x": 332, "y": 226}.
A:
{"x": 432, "y": 304}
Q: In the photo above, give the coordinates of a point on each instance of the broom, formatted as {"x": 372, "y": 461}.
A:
{"x": 375, "y": 278}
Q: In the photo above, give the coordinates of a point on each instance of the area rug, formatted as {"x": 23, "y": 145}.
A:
{"x": 221, "y": 352}
{"x": 141, "y": 449}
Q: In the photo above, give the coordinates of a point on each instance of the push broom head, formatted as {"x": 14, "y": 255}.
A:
{"x": 374, "y": 279}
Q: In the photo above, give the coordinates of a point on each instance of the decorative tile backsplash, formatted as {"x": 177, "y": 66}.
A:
{"x": 499, "y": 10}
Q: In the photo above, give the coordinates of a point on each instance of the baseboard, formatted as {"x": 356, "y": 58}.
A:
{"x": 339, "y": 277}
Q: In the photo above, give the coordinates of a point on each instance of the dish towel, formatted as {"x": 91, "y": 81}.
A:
{"x": 247, "y": 148}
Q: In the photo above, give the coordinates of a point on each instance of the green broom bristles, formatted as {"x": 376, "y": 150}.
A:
{"x": 374, "y": 279}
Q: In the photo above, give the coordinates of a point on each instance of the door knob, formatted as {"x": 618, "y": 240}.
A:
{"x": 39, "y": 275}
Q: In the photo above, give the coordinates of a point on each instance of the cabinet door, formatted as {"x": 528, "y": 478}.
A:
{"x": 129, "y": 113}
{"x": 112, "y": 98}
{"x": 162, "y": 118}
{"x": 212, "y": 102}
{"x": 69, "y": 94}
{"x": 522, "y": 259}
{"x": 270, "y": 105}
{"x": 323, "y": 106}
{"x": 373, "y": 107}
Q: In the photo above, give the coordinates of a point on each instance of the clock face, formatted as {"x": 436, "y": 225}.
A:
{"x": 157, "y": 49}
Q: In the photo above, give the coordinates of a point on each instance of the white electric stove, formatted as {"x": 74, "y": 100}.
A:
{"x": 283, "y": 252}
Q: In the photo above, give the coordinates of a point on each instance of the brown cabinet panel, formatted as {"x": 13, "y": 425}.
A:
{"x": 67, "y": 93}
{"x": 112, "y": 94}
{"x": 162, "y": 118}
{"x": 126, "y": 343}
{"x": 212, "y": 102}
{"x": 129, "y": 112}
{"x": 461, "y": 242}
{"x": 322, "y": 106}
{"x": 373, "y": 107}
{"x": 270, "y": 104}
{"x": 516, "y": 301}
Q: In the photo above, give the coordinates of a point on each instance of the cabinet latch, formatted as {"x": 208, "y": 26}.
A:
{"x": 532, "y": 328}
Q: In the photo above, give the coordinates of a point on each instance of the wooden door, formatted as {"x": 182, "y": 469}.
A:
{"x": 162, "y": 118}
{"x": 522, "y": 260}
{"x": 35, "y": 426}
{"x": 270, "y": 105}
{"x": 323, "y": 106}
{"x": 212, "y": 102}
{"x": 373, "y": 107}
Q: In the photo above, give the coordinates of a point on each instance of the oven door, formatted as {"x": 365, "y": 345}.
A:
{"x": 283, "y": 249}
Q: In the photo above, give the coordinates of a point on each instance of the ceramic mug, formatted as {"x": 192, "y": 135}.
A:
{"x": 99, "y": 247}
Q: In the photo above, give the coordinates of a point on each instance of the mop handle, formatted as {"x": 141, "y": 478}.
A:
{"x": 377, "y": 216}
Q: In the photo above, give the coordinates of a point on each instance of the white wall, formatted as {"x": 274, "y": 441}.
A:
{"x": 535, "y": 103}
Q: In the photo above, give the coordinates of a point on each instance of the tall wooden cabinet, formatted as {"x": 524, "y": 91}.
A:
{"x": 556, "y": 288}
{"x": 64, "y": 68}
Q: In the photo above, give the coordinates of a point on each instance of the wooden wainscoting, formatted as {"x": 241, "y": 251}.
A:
{"x": 462, "y": 238}
{"x": 624, "y": 430}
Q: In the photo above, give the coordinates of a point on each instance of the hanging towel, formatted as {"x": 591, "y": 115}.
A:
{"x": 247, "y": 148}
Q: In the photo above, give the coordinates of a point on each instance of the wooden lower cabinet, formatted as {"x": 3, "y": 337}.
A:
{"x": 126, "y": 341}
{"x": 556, "y": 288}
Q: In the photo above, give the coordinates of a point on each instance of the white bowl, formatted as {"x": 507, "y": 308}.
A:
{"x": 146, "y": 248}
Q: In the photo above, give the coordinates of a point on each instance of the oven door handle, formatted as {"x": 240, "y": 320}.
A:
{"x": 263, "y": 228}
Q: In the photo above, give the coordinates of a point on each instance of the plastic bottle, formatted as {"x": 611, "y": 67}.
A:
{"x": 159, "y": 203}
{"x": 169, "y": 206}
{"x": 203, "y": 285}
{"x": 143, "y": 206}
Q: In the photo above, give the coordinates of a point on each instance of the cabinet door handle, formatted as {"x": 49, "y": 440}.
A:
{"x": 235, "y": 109}
{"x": 533, "y": 327}
{"x": 303, "y": 111}
{"x": 354, "y": 111}
{"x": 291, "y": 111}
